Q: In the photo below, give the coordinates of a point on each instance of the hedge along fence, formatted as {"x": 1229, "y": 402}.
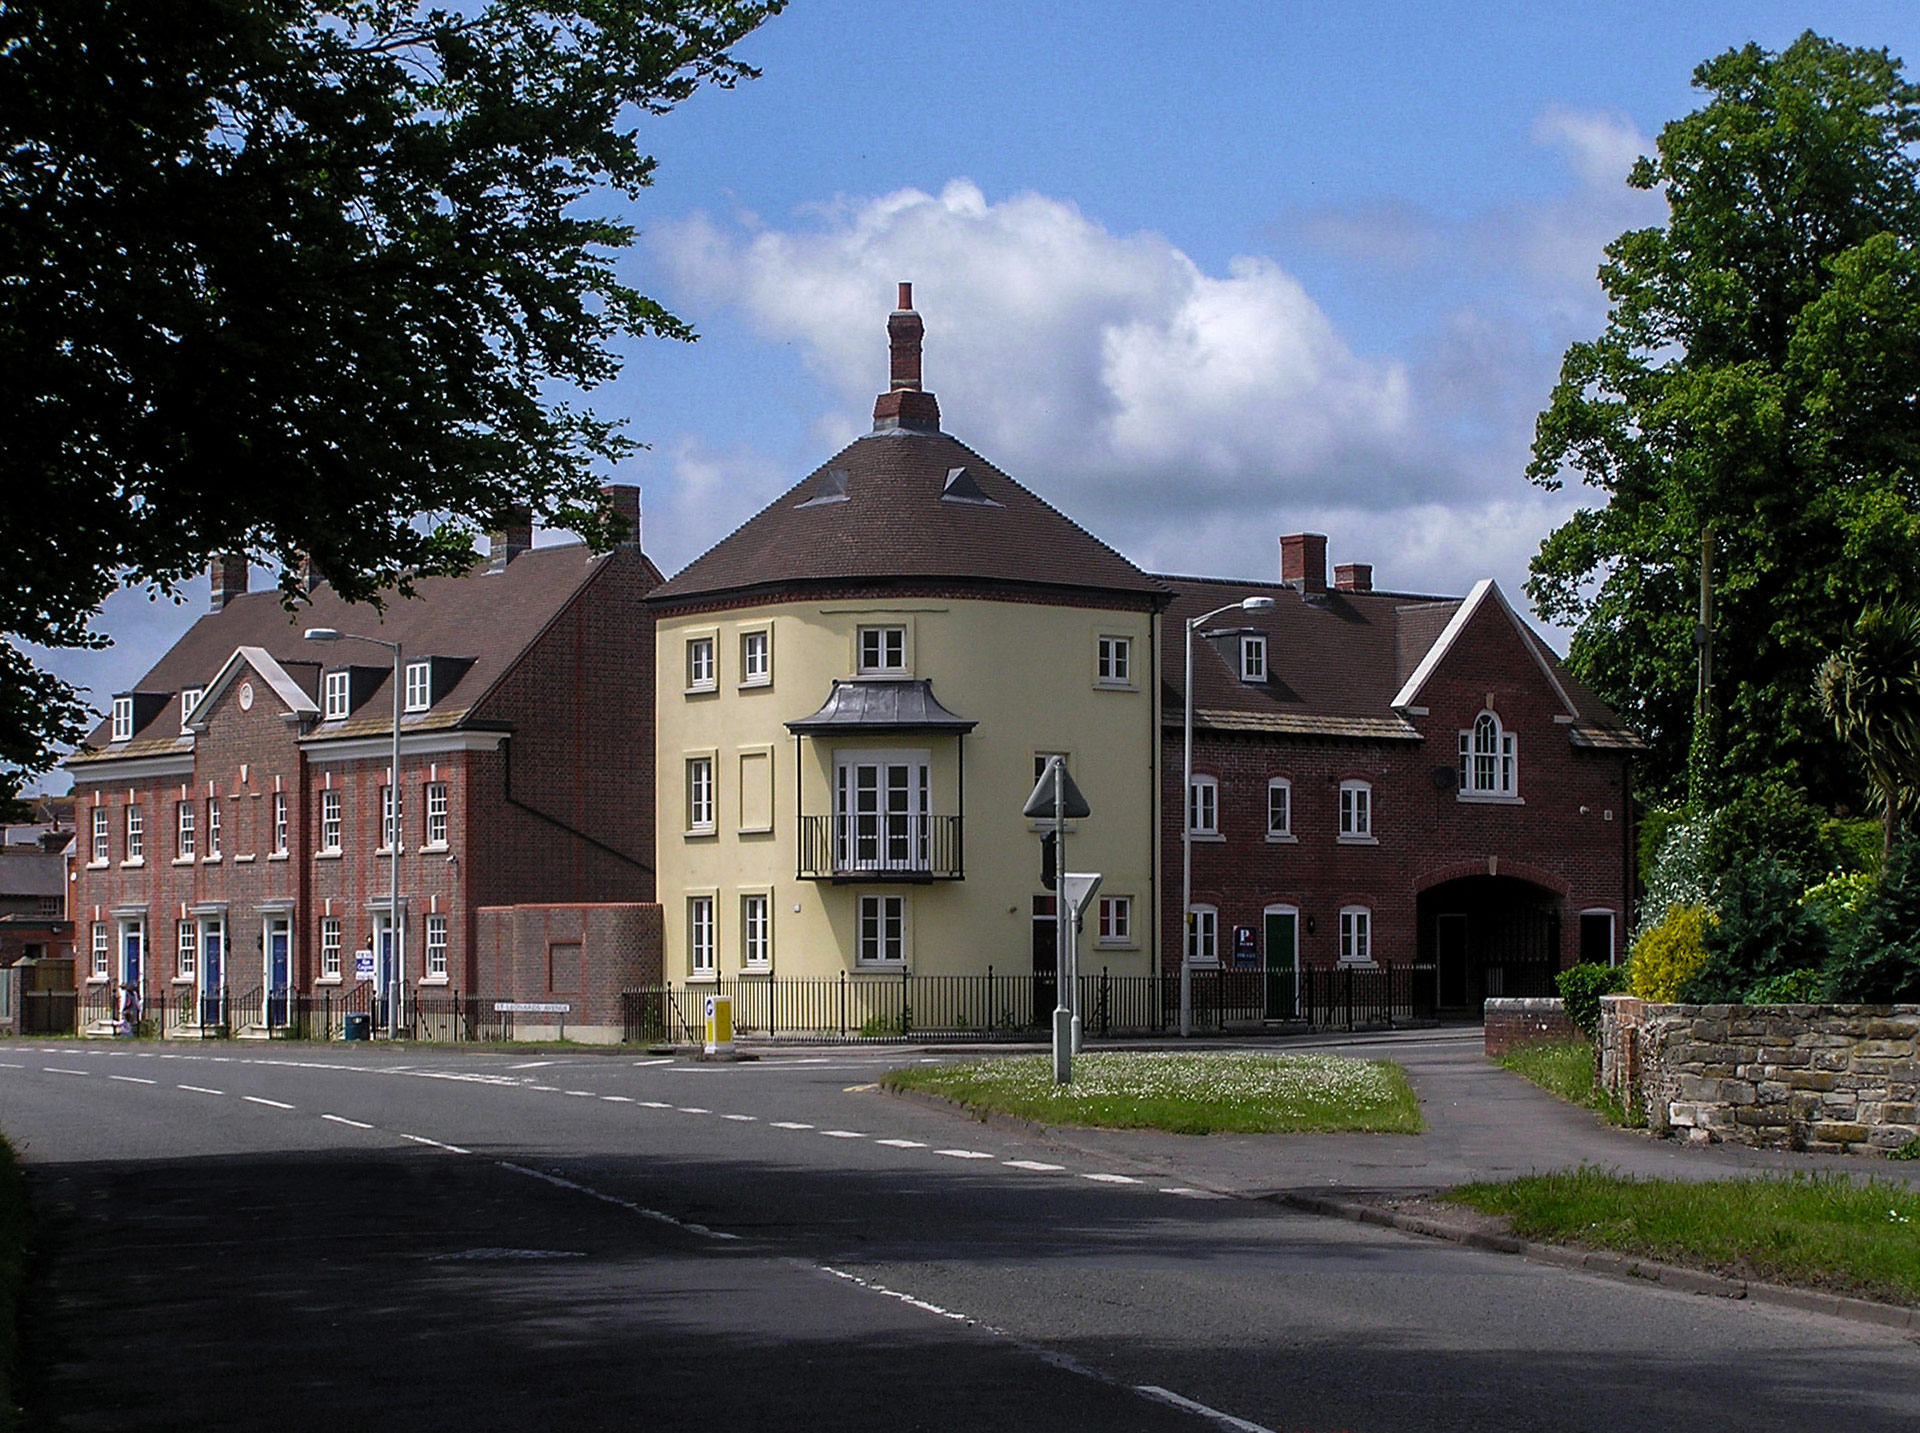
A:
{"x": 1837, "y": 1078}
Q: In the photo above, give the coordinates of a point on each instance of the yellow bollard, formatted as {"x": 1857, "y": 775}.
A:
{"x": 719, "y": 1025}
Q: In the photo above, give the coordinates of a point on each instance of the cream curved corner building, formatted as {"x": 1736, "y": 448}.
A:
{"x": 856, "y": 690}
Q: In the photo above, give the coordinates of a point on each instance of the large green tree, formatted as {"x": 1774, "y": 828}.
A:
{"x": 313, "y": 277}
{"x": 1758, "y": 379}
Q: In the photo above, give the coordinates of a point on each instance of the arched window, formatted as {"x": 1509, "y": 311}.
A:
{"x": 1487, "y": 762}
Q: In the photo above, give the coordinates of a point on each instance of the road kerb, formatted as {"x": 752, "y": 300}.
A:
{"x": 1612, "y": 1265}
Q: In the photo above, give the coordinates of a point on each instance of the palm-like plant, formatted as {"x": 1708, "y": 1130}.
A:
{"x": 1871, "y": 690}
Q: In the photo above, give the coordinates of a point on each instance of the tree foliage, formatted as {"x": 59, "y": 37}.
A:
{"x": 1757, "y": 378}
{"x": 310, "y": 277}
{"x": 1870, "y": 690}
{"x": 1761, "y": 931}
{"x": 1883, "y": 963}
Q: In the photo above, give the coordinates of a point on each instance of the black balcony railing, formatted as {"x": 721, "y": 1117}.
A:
{"x": 881, "y": 848}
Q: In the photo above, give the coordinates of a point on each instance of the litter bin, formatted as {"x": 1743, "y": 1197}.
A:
{"x": 357, "y": 1027}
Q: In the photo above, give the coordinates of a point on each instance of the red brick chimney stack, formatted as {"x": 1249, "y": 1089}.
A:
{"x": 1303, "y": 561}
{"x": 1353, "y": 577}
{"x": 229, "y": 574}
{"x": 513, "y": 537}
{"x": 624, "y": 499}
{"x": 905, "y": 407}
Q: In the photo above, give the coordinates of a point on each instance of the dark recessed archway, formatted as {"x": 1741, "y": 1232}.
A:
{"x": 1489, "y": 936}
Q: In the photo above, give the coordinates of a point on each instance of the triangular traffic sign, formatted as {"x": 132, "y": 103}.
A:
{"x": 1039, "y": 806}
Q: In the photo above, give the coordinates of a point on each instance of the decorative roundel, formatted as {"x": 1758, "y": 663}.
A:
{"x": 246, "y": 696}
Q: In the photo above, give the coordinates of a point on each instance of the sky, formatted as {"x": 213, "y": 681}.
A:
{"x": 1198, "y": 274}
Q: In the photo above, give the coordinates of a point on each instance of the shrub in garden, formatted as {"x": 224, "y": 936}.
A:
{"x": 1883, "y": 963}
{"x": 1796, "y": 987}
{"x": 1581, "y": 987}
{"x": 1668, "y": 955}
{"x": 1761, "y": 930}
{"x": 1774, "y": 820}
{"x": 1840, "y": 901}
{"x": 1678, "y": 877}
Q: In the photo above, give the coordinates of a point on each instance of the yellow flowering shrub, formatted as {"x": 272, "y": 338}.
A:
{"x": 1670, "y": 954}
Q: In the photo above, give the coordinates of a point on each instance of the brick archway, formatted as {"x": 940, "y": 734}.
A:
{"x": 1495, "y": 866}
{"x": 1490, "y": 928}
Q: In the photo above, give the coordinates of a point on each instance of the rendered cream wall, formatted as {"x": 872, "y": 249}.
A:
{"x": 1023, "y": 671}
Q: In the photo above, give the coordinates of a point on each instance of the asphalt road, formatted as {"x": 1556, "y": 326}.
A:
{"x": 289, "y": 1237}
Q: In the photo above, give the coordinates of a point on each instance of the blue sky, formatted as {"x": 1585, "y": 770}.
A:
{"x": 1198, "y": 273}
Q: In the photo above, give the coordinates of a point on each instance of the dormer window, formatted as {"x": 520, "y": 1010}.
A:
{"x": 189, "y": 699}
{"x": 419, "y": 686}
{"x": 883, "y": 649}
{"x": 1488, "y": 767}
{"x": 123, "y": 718}
{"x": 339, "y": 695}
{"x": 1253, "y": 659}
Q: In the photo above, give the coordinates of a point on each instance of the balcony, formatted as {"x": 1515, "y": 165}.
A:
{"x": 879, "y": 848}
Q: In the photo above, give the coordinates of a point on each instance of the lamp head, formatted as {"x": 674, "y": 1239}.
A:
{"x": 1251, "y": 604}
{"x": 322, "y": 634}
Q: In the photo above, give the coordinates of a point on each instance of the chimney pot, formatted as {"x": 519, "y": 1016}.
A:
{"x": 905, "y": 405}
{"x": 624, "y": 499}
{"x": 1303, "y": 561}
{"x": 906, "y": 297}
{"x": 228, "y": 573}
{"x": 1353, "y": 577}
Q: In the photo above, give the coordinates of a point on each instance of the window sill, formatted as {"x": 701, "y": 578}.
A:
{"x": 1205, "y": 962}
{"x": 703, "y": 691}
{"x": 1115, "y": 687}
{"x": 96, "y": 980}
{"x": 387, "y": 850}
{"x": 880, "y": 967}
{"x": 327, "y": 980}
{"x": 246, "y": 860}
{"x": 1273, "y": 840}
{"x": 211, "y": 860}
{"x": 693, "y": 833}
{"x": 137, "y": 861}
{"x": 754, "y": 683}
{"x": 98, "y": 865}
{"x": 183, "y": 860}
{"x": 1357, "y": 965}
{"x": 436, "y": 980}
{"x": 1477, "y": 798}
{"x": 1359, "y": 840}
{"x": 761, "y": 969}
{"x": 278, "y": 855}
{"x": 331, "y": 854}
{"x": 703, "y": 977}
{"x": 182, "y": 980}
{"x": 434, "y": 847}
{"x": 1116, "y": 945}
{"x": 1207, "y": 836}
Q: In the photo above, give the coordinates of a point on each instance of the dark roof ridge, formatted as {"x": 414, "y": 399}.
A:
{"x": 1276, "y": 585}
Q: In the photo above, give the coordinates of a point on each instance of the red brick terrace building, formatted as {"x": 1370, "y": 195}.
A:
{"x": 233, "y": 835}
{"x": 1384, "y": 778}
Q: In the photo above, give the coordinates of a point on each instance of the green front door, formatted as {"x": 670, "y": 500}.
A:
{"x": 1283, "y": 963}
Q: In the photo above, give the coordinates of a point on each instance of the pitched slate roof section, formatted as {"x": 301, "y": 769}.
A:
{"x": 257, "y": 660}
{"x": 490, "y": 616}
{"x": 899, "y": 521}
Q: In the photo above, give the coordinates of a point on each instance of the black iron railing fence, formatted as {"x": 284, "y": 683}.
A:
{"x": 881, "y": 847}
{"x": 886, "y": 1006}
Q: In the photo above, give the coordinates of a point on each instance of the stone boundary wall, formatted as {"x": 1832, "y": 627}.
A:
{"x": 1513, "y": 1023}
{"x": 1832, "y": 1078}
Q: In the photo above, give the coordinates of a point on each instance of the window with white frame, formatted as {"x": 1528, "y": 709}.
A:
{"x": 102, "y": 949}
{"x": 756, "y": 658}
{"x": 700, "y": 934}
{"x": 1279, "y": 809}
{"x": 189, "y": 699}
{"x": 186, "y": 948}
{"x": 436, "y": 813}
{"x": 1115, "y": 668}
{"x": 700, "y": 804}
{"x": 1203, "y": 806}
{"x": 1487, "y": 766}
{"x": 123, "y": 718}
{"x": 279, "y": 823}
{"x": 1356, "y": 935}
{"x": 1116, "y": 920}
{"x": 101, "y": 836}
{"x": 136, "y": 833}
{"x": 389, "y": 818}
{"x": 756, "y": 931}
{"x": 1253, "y": 659}
{"x": 419, "y": 686}
{"x": 339, "y": 695}
{"x": 183, "y": 832}
{"x": 330, "y": 948}
{"x": 213, "y": 828}
{"x": 700, "y": 673}
{"x": 330, "y": 820}
{"x": 883, "y": 649}
{"x": 1203, "y": 935}
{"x": 436, "y": 947}
{"x": 883, "y": 930}
{"x": 1356, "y": 810}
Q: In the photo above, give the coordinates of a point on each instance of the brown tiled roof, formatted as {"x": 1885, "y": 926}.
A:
{"x": 1336, "y": 661}
{"x": 490, "y": 617}
{"x": 905, "y": 510}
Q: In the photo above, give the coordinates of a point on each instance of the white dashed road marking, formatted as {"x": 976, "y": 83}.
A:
{"x": 643, "y": 1064}
{"x": 790, "y": 1124}
{"x": 843, "y": 1134}
{"x": 901, "y": 1143}
{"x": 534, "y": 1065}
{"x": 907, "y": 1299}
{"x": 12, "y": 1067}
{"x": 263, "y": 1100}
{"x": 692, "y": 1110}
{"x": 617, "y": 1099}
{"x": 1225, "y": 1420}
{"x": 343, "y": 1120}
{"x": 201, "y": 1090}
{"x": 1112, "y": 1178}
{"x": 1034, "y": 1165}
{"x": 437, "y": 1144}
{"x": 130, "y": 1079}
{"x": 56, "y": 1070}
{"x": 744, "y": 1119}
{"x": 964, "y": 1153}
{"x": 1192, "y": 1193}
{"x": 654, "y": 1104}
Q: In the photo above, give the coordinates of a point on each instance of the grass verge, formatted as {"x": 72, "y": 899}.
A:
{"x": 1820, "y": 1231}
{"x": 1565, "y": 1068}
{"x": 1209, "y": 1093}
{"x": 15, "y": 1222}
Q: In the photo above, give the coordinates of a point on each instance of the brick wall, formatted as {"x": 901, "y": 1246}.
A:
{"x": 581, "y": 955}
{"x": 1511, "y": 1024}
{"x": 1842, "y": 1078}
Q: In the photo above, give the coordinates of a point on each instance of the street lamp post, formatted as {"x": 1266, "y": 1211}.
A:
{"x": 396, "y": 928}
{"x": 1250, "y": 604}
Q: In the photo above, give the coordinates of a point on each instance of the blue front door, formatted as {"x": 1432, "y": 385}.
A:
{"x": 132, "y": 947}
{"x": 279, "y": 940}
{"x": 213, "y": 973}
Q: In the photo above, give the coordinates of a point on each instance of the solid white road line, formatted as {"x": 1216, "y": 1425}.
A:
{"x": 343, "y": 1120}
{"x": 201, "y": 1090}
{"x": 131, "y": 1080}
{"x": 1112, "y": 1178}
{"x": 263, "y": 1100}
{"x": 1225, "y": 1420}
{"x": 1034, "y": 1165}
{"x": 964, "y": 1153}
